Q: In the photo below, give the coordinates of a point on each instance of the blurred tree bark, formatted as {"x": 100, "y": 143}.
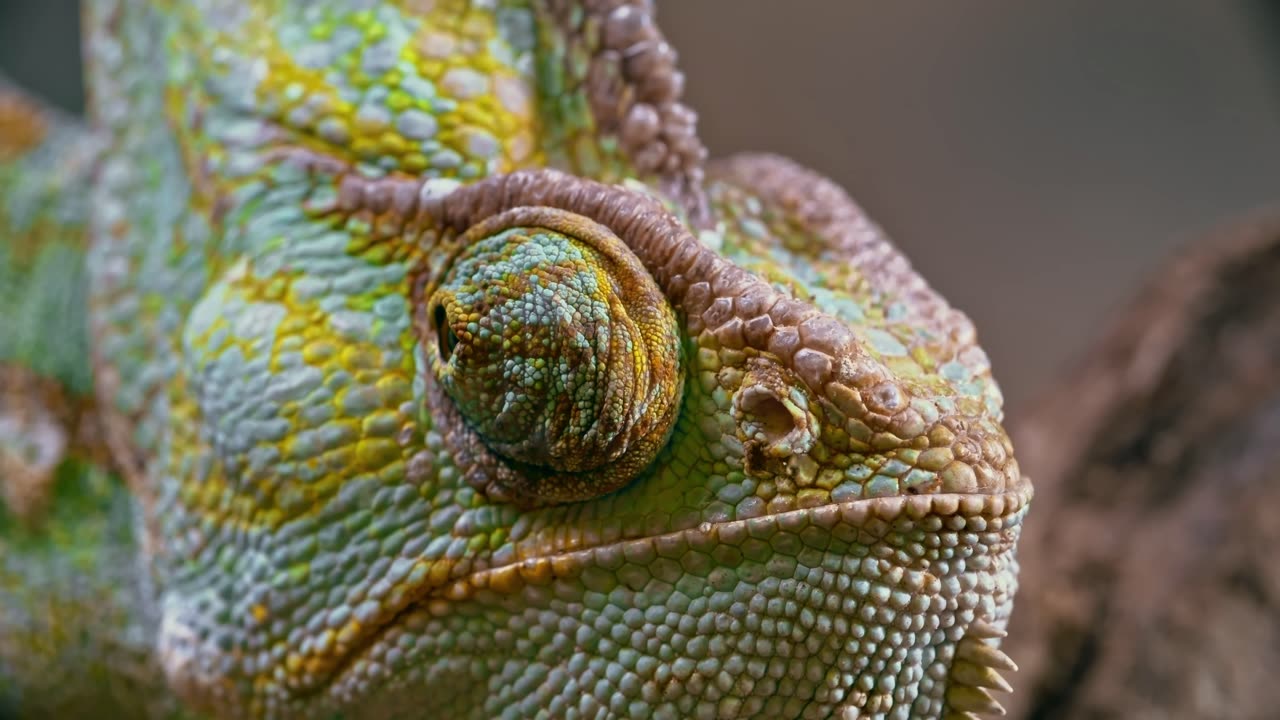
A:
{"x": 1151, "y": 558}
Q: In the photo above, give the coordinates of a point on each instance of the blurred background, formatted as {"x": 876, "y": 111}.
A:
{"x": 1036, "y": 161}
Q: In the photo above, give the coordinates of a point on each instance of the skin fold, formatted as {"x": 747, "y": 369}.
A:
{"x": 411, "y": 360}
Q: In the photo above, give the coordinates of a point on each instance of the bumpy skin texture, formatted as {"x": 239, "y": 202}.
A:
{"x": 447, "y": 380}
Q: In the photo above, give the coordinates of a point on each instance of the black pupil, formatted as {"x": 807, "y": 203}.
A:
{"x": 445, "y": 339}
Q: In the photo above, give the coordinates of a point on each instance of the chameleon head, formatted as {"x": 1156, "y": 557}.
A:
{"x": 615, "y": 462}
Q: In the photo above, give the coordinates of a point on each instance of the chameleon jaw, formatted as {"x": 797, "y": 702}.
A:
{"x": 535, "y": 578}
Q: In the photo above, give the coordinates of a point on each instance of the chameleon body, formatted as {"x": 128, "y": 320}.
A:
{"x": 417, "y": 364}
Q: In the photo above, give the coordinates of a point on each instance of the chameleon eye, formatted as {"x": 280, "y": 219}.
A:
{"x": 558, "y": 350}
{"x": 446, "y": 340}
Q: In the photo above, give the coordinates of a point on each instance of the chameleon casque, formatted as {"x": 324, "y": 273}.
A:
{"x": 408, "y": 359}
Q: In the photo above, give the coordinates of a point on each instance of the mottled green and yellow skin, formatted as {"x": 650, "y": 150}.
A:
{"x": 435, "y": 374}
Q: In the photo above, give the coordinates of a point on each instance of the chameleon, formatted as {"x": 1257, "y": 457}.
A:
{"x": 412, "y": 359}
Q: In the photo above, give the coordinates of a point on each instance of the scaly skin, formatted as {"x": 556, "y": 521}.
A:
{"x": 442, "y": 378}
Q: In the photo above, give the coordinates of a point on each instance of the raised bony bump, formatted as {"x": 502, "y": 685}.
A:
{"x": 773, "y": 422}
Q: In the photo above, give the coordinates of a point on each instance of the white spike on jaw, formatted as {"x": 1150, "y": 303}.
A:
{"x": 983, "y": 676}
{"x": 967, "y": 698}
{"x": 980, "y": 653}
{"x": 984, "y": 630}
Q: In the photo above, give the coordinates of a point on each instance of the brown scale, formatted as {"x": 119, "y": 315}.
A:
{"x": 634, "y": 87}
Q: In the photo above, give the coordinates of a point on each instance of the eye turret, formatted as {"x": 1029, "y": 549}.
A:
{"x": 557, "y": 349}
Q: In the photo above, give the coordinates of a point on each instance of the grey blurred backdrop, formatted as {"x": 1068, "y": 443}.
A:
{"x": 1035, "y": 160}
